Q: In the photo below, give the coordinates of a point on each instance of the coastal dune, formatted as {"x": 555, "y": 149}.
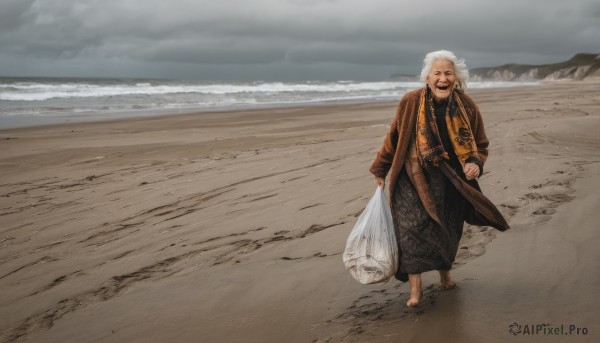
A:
{"x": 229, "y": 227}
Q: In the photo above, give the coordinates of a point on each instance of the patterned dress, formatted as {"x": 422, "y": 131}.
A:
{"x": 423, "y": 244}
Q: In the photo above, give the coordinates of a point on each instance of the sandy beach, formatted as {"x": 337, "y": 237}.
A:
{"x": 229, "y": 227}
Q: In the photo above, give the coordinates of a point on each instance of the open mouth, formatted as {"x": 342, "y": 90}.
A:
{"x": 443, "y": 87}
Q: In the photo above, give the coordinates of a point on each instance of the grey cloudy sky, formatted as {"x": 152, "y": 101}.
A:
{"x": 284, "y": 39}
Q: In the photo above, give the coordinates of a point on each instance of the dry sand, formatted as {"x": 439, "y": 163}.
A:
{"x": 229, "y": 227}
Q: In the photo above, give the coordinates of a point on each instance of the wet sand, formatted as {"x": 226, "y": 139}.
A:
{"x": 229, "y": 227}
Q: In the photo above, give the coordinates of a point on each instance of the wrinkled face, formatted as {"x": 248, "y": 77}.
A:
{"x": 441, "y": 79}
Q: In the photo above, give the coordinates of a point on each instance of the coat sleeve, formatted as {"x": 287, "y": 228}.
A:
{"x": 383, "y": 161}
{"x": 476, "y": 121}
{"x": 481, "y": 139}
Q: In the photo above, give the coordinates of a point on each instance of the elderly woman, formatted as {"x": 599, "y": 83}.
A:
{"x": 434, "y": 151}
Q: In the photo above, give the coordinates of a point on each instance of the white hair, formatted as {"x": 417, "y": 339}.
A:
{"x": 462, "y": 73}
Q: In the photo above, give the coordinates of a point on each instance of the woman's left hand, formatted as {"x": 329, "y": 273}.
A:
{"x": 471, "y": 170}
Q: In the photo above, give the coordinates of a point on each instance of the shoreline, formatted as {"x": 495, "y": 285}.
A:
{"x": 231, "y": 227}
{"x": 30, "y": 120}
{"x": 166, "y": 113}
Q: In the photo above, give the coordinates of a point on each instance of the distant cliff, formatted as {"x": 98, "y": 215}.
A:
{"x": 581, "y": 66}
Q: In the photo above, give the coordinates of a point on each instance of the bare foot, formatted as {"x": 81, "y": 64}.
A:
{"x": 446, "y": 282}
{"x": 414, "y": 301}
{"x": 416, "y": 291}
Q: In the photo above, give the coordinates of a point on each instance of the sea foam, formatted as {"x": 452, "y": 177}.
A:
{"x": 47, "y": 97}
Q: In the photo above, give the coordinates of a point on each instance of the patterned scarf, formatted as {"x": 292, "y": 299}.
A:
{"x": 427, "y": 138}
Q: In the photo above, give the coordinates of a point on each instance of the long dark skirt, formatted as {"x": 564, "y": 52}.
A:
{"x": 423, "y": 244}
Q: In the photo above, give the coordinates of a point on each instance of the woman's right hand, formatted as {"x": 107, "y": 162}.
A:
{"x": 380, "y": 182}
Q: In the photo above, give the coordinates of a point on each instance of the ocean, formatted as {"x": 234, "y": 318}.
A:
{"x": 39, "y": 101}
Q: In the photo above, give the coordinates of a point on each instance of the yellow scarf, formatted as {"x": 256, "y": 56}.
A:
{"x": 427, "y": 137}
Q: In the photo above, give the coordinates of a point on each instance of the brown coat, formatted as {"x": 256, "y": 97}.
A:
{"x": 394, "y": 152}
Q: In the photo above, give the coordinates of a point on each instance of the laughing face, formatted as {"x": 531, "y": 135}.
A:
{"x": 441, "y": 79}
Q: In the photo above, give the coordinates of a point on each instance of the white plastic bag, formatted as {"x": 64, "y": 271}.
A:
{"x": 371, "y": 253}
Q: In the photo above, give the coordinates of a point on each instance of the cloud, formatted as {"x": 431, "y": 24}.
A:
{"x": 272, "y": 36}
